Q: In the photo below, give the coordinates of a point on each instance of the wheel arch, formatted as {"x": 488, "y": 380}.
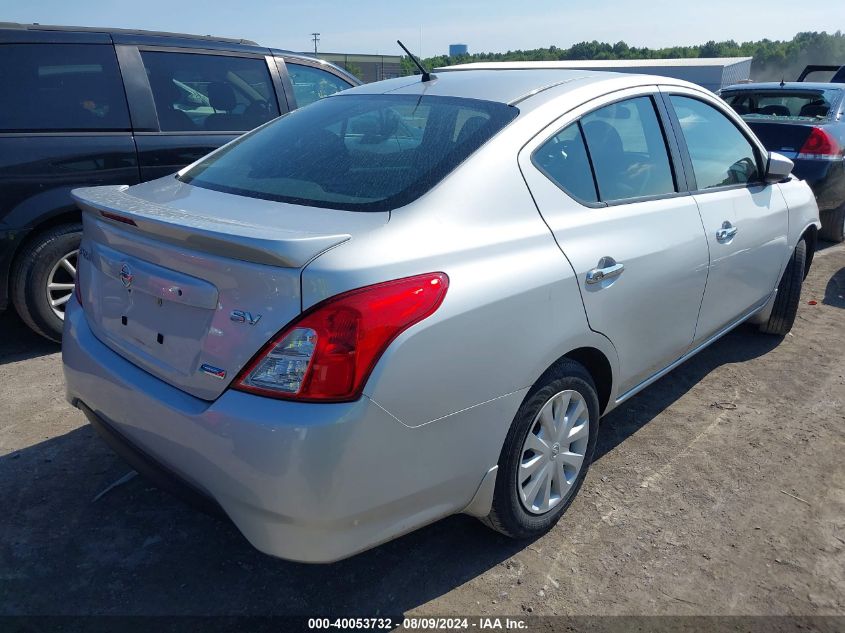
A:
{"x": 69, "y": 215}
{"x": 597, "y": 365}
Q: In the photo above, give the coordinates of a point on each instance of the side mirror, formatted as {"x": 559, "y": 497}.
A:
{"x": 778, "y": 167}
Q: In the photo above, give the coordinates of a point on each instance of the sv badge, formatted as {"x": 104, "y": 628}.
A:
{"x": 240, "y": 316}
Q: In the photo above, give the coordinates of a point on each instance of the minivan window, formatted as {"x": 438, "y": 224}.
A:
{"x": 312, "y": 84}
{"x": 628, "y": 150}
{"x": 61, "y": 87}
{"x": 216, "y": 93}
{"x": 563, "y": 158}
{"x": 721, "y": 155}
{"x": 356, "y": 152}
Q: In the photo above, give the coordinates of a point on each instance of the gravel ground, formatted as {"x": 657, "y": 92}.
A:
{"x": 718, "y": 490}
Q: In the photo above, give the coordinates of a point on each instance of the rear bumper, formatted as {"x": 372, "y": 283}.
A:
{"x": 306, "y": 482}
{"x": 155, "y": 472}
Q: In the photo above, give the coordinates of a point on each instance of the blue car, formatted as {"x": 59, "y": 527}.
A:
{"x": 804, "y": 121}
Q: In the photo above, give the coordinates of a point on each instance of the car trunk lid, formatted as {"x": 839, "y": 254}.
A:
{"x": 189, "y": 283}
{"x": 786, "y": 138}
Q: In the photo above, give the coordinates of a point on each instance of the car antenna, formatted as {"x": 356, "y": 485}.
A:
{"x": 426, "y": 76}
{"x": 782, "y": 84}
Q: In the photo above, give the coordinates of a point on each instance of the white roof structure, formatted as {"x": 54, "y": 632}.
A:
{"x": 712, "y": 73}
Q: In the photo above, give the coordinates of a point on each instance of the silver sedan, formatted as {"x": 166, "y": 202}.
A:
{"x": 417, "y": 298}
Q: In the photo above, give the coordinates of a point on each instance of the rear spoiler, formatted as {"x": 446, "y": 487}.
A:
{"x": 217, "y": 236}
{"x": 838, "y": 78}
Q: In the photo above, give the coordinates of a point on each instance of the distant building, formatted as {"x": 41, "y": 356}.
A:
{"x": 711, "y": 73}
{"x": 458, "y": 49}
{"x": 367, "y": 68}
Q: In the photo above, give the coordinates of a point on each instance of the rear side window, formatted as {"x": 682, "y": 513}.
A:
{"x": 563, "y": 158}
{"x": 216, "y": 93}
{"x": 312, "y": 84}
{"x": 628, "y": 150}
{"x": 721, "y": 155}
{"x": 356, "y": 152}
{"x": 622, "y": 144}
{"x": 61, "y": 87}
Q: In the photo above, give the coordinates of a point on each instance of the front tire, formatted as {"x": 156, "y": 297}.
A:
{"x": 788, "y": 295}
{"x": 833, "y": 225}
{"x": 546, "y": 454}
{"x": 43, "y": 277}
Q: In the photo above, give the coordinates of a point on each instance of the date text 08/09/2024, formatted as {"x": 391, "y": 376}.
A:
{"x": 423, "y": 623}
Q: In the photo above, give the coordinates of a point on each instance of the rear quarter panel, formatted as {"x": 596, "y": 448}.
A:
{"x": 512, "y": 308}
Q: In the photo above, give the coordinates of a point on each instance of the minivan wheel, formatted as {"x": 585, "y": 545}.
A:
{"x": 789, "y": 294}
{"x": 43, "y": 278}
{"x": 546, "y": 454}
{"x": 833, "y": 225}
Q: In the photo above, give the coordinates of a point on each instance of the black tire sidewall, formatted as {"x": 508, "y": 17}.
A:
{"x": 788, "y": 295}
{"x": 508, "y": 506}
{"x": 31, "y": 278}
{"x": 833, "y": 225}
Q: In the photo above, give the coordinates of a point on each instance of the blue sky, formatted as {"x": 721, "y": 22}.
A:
{"x": 372, "y": 26}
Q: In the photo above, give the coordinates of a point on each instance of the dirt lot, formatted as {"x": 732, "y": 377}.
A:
{"x": 719, "y": 490}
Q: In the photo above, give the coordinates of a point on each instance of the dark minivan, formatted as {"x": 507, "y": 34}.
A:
{"x": 88, "y": 106}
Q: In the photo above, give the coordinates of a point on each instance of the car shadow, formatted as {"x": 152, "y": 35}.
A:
{"x": 742, "y": 344}
{"x": 834, "y": 292}
{"x": 137, "y": 550}
{"x": 822, "y": 245}
{"x": 18, "y": 342}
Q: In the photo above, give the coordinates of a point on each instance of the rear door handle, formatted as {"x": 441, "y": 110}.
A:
{"x": 727, "y": 232}
{"x": 608, "y": 268}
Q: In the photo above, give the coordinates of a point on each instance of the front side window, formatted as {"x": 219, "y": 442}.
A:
{"x": 312, "y": 84}
{"x": 216, "y": 93}
{"x": 356, "y": 152}
{"x": 721, "y": 154}
{"x": 61, "y": 87}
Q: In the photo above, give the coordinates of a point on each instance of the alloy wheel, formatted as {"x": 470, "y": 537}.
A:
{"x": 60, "y": 283}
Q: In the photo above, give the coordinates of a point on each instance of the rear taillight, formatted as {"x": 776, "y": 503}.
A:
{"x": 820, "y": 146}
{"x": 328, "y": 352}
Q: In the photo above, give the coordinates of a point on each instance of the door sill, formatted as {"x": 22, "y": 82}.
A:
{"x": 657, "y": 376}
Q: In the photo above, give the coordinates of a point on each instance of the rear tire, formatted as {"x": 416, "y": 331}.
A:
{"x": 833, "y": 225}
{"x": 572, "y": 388}
{"x": 788, "y": 294}
{"x": 46, "y": 259}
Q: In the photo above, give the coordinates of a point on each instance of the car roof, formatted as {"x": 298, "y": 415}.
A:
{"x": 509, "y": 86}
{"x": 98, "y": 29}
{"x": 14, "y": 32}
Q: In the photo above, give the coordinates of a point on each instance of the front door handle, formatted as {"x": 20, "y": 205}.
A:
{"x": 608, "y": 268}
{"x": 727, "y": 232}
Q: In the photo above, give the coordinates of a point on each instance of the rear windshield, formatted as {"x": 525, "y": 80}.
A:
{"x": 355, "y": 152}
{"x": 805, "y": 105}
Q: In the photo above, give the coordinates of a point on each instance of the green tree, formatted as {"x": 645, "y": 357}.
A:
{"x": 354, "y": 69}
